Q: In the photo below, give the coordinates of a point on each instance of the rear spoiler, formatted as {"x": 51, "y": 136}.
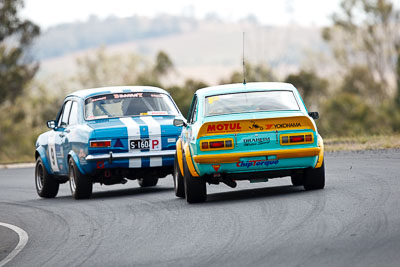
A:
{"x": 256, "y": 125}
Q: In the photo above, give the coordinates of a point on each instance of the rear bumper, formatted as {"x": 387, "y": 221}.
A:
{"x": 278, "y": 154}
{"x": 130, "y": 155}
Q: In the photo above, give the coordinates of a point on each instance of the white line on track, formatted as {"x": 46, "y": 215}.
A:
{"x": 23, "y": 239}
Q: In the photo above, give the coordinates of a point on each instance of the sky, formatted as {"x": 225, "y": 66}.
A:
{"x": 47, "y": 13}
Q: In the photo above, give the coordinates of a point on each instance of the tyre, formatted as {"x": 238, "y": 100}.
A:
{"x": 297, "y": 179}
{"x": 178, "y": 180}
{"x": 46, "y": 185}
{"x": 315, "y": 178}
{"x": 147, "y": 182}
{"x": 195, "y": 187}
{"x": 81, "y": 185}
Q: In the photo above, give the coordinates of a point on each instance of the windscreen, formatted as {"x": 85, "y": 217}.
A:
{"x": 250, "y": 102}
{"x": 128, "y": 104}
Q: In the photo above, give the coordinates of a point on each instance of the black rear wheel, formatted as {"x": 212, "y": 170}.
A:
{"x": 315, "y": 178}
{"x": 147, "y": 182}
{"x": 46, "y": 185}
{"x": 81, "y": 185}
{"x": 195, "y": 187}
{"x": 297, "y": 179}
{"x": 178, "y": 180}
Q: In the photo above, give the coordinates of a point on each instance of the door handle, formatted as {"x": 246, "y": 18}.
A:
{"x": 61, "y": 135}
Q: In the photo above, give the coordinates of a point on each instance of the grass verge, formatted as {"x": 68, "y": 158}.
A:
{"x": 357, "y": 143}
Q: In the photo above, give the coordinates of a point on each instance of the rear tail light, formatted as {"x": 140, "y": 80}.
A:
{"x": 216, "y": 144}
{"x": 102, "y": 143}
{"x": 293, "y": 139}
{"x": 297, "y": 139}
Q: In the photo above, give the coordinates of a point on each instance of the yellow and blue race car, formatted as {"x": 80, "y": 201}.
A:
{"x": 253, "y": 131}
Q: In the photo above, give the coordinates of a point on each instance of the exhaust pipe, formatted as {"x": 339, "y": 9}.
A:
{"x": 230, "y": 183}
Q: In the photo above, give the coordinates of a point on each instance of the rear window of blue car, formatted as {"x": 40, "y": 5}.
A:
{"x": 250, "y": 102}
{"x": 128, "y": 104}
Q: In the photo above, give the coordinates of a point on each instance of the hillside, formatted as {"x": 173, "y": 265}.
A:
{"x": 203, "y": 49}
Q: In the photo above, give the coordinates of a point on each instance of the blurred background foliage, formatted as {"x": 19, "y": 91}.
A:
{"x": 362, "y": 98}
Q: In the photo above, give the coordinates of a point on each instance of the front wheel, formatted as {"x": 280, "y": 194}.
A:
{"x": 46, "y": 185}
{"x": 178, "y": 180}
{"x": 315, "y": 178}
{"x": 147, "y": 182}
{"x": 81, "y": 186}
{"x": 195, "y": 187}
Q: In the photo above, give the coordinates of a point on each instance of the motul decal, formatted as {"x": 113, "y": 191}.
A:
{"x": 224, "y": 127}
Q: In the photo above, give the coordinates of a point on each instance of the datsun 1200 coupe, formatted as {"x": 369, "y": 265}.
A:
{"x": 253, "y": 131}
{"x": 106, "y": 135}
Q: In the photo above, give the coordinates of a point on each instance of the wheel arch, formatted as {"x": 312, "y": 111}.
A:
{"x": 189, "y": 161}
{"x": 41, "y": 152}
{"x": 179, "y": 155}
{"x": 75, "y": 158}
{"x": 321, "y": 152}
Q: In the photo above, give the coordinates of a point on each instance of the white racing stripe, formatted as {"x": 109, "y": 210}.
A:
{"x": 23, "y": 239}
{"x": 155, "y": 139}
{"x": 133, "y": 133}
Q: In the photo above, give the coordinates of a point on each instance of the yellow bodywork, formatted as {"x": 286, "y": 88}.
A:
{"x": 188, "y": 158}
{"x": 321, "y": 152}
{"x": 179, "y": 155}
{"x": 235, "y": 157}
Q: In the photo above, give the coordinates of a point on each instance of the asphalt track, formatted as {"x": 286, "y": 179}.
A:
{"x": 354, "y": 221}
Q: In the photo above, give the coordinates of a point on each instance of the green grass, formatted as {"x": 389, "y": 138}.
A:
{"x": 357, "y": 143}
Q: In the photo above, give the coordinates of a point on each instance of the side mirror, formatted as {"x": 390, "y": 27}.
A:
{"x": 179, "y": 122}
{"x": 313, "y": 115}
{"x": 51, "y": 124}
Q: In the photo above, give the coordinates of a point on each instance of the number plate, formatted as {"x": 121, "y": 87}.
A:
{"x": 139, "y": 144}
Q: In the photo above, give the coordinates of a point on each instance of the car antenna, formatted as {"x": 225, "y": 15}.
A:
{"x": 244, "y": 67}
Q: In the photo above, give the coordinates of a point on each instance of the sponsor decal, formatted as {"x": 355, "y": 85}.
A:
{"x": 283, "y": 125}
{"x": 82, "y": 156}
{"x": 211, "y": 99}
{"x": 260, "y": 163}
{"x": 216, "y": 167}
{"x": 157, "y": 113}
{"x": 128, "y": 95}
{"x": 97, "y": 99}
{"x": 224, "y": 127}
{"x": 156, "y": 95}
{"x": 256, "y": 141}
{"x": 255, "y": 126}
{"x": 171, "y": 140}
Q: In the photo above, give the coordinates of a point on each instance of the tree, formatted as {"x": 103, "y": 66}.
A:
{"x": 104, "y": 69}
{"x": 183, "y": 94}
{"x": 256, "y": 73}
{"x": 163, "y": 64}
{"x": 310, "y": 86}
{"x": 365, "y": 33}
{"x": 16, "y": 35}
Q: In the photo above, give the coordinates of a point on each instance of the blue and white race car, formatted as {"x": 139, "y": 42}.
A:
{"x": 108, "y": 135}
